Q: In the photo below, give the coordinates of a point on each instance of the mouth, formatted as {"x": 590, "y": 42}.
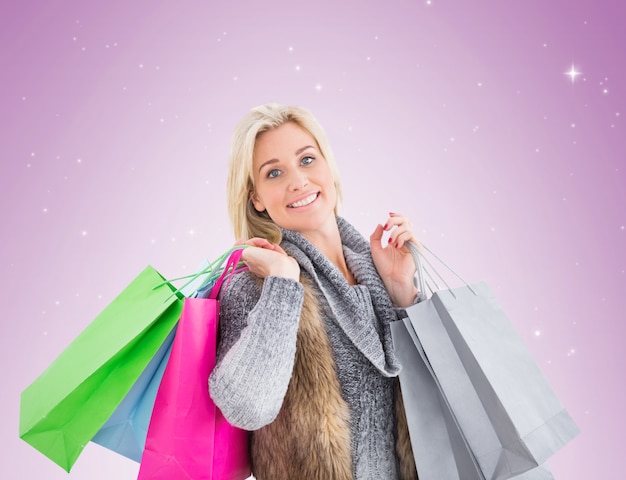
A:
{"x": 305, "y": 201}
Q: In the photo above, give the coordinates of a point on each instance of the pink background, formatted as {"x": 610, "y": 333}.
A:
{"x": 115, "y": 124}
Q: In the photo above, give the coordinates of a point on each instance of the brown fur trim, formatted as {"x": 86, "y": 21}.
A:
{"x": 310, "y": 438}
{"x": 404, "y": 450}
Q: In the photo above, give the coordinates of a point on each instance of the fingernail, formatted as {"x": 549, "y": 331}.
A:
{"x": 397, "y": 244}
{"x": 385, "y": 227}
{"x": 392, "y": 214}
{"x": 389, "y": 241}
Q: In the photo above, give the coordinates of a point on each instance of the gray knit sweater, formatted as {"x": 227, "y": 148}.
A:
{"x": 258, "y": 330}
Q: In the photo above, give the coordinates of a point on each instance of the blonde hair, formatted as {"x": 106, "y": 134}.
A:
{"x": 247, "y": 222}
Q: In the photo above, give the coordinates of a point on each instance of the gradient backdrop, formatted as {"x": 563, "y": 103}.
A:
{"x": 115, "y": 124}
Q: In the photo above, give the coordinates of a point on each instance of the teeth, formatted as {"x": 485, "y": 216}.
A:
{"x": 304, "y": 201}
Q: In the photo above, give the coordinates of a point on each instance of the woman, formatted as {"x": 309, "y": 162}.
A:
{"x": 305, "y": 360}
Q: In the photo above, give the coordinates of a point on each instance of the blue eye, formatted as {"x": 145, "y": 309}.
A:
{"x": 273, "y": 173}
{"x": 307, "y": 160}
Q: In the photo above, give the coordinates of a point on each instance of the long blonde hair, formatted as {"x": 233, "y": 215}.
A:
{"x": 246, "y": 220}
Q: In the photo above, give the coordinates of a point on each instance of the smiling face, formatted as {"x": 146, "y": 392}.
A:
{"x": 292, "y": 180}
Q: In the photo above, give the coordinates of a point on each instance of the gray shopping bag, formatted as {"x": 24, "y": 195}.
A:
{"x": 490, "y": 388}
{"x": 439, "y": 446}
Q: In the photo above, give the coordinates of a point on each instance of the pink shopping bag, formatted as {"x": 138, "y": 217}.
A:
{"x": 188, "y": 437}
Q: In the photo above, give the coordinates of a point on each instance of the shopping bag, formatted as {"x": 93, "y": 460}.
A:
{"x": 126, "y": 429}
{"x": 493, "y": 414}
{"x": 188, "y": 437}
{"x": 440, "y": 449}
{"x": 62, "y": 410}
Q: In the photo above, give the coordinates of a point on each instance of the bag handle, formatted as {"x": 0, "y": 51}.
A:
{"x": 210, "y": 272}
{"x": 229, "y": 270}
{"x": 421, "y": 283}
{"x": 424, "y": 271}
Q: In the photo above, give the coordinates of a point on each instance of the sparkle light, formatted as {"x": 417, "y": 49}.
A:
{"x": 572, "y": 73}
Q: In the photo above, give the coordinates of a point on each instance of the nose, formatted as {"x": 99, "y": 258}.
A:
{"x": 298, "y": 180}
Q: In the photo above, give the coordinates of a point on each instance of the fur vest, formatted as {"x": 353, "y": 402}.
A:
{"x": 310, "y": 437}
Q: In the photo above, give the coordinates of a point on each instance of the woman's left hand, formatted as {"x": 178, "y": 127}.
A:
{"x": 394, "y": 261}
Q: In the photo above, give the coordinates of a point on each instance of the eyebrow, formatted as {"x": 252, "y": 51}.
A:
{"x": 275, "y": 160}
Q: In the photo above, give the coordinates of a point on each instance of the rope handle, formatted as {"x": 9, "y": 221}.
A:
{"x": 229, "y": 269}
{"x": 213, "y": 271}
{"x": 429, "y": 270}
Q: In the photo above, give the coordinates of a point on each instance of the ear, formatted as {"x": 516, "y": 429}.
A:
{"x": 258, "y": 204}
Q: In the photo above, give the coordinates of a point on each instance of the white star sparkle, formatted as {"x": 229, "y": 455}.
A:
{"x": 572, "y": 73}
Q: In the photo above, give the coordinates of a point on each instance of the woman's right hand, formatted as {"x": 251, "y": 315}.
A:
{"x": 265, "y": 259}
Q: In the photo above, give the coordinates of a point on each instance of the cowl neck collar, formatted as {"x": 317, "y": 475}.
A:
{"x": 351, "y": 304}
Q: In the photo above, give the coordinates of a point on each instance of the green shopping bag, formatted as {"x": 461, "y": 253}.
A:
{"x": 62, "y": 410}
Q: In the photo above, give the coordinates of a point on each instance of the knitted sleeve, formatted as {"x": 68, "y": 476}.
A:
{"x": 255, "y": 356}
